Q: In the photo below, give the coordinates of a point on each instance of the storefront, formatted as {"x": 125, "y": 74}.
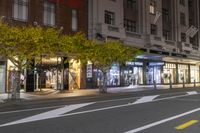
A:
{"x": 113, "y": 75}
{"x": 194, "y": 73}
{"x": 169, "y": 73}
{"x": 153, "y": 72}
{"x": 132, "y": 74}
{"x": 183, "y": 73}
{"x": 74, "y": 74}
{"x": 2, "y": 76}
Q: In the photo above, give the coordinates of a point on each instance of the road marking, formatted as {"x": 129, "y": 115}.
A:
{"x": 25, "y": 110}
{"x": 104, "y": 101}
{"x": 48, "y": 115}
{"x": 187, "y": 124}
{"x": 1, "y": 101}
{"x": 146, "y": 99}
{"x": 162, "y": 121}
{"x": 192, "y": 93}
{"x": 89, "y": 111}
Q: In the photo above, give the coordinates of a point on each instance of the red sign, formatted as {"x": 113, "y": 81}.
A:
{"x": 75, "y": 4}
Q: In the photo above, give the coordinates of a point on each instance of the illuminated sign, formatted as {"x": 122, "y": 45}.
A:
{"x": 134, "y": 63}
{"x": 89, "y": 70}
{"x": 156, "y": 63}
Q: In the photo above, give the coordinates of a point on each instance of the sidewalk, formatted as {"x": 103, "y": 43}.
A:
{"x": 53, "y": 94}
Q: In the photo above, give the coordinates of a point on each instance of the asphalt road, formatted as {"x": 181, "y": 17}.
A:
{"x": 156, "y": 112}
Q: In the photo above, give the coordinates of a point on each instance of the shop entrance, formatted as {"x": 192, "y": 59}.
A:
{"x": 133, "y": 76}
{"x": 49, "y": 74}
{"x": 153, "y": 74}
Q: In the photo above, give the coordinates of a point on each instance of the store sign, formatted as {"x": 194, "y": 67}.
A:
{"x": 134, "y": 63}
{"x": 89, "y": 70}
{"x": 156, "y": 63}
{"x": 138, "y": 63}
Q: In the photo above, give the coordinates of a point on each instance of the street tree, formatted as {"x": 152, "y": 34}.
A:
{"x": 104, "y": 54}
{"x": 21, "y": 45}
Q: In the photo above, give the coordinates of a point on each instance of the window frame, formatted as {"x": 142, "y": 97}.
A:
{"x": 16, "y": 14}
{"x": 109, "y": 17}
{"x": 50, "y": 10}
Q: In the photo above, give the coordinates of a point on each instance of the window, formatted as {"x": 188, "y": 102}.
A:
{"x": 183, "y": 37}
{"x": 182, "y": 18}
{"x": 20, "y": 10}
{"x": 182, "y": 2}
{"x": 109, "y": 18}
{"x": 131, "y": 4}
{"x": 153, "y": 29}
{"x": 165, "y": 15}
{"x": 130, "y": 25}
{"x": 167, "y": 35}
{"x": 49, "y": 13}
{"x": 74, "y": 20}
{"x": 152, "y": 7}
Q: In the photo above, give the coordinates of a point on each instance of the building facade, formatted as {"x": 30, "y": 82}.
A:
{"x": 166, "y": 30}
{"x": 69, "y": 16}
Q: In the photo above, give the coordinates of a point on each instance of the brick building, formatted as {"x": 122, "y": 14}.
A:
{"x": 70, "y": 16}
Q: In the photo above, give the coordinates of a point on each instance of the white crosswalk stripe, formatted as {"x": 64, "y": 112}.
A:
{"x": 48, "y": 115}
{"x": 192, "y": 92}
{"x": 146, "y": 99}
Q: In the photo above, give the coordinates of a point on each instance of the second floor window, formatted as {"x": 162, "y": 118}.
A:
{"x": 152, "y": 7}
{"x": 153, "y": 29}
{"x": 131, "y": 4}
{"x": 20, "y": 10}
{"x": 74, "y": 20}
{"x": 183, "y": 37}
{"x": 130, "y": 25}
{"x": 167, "y": 34}
{"x": 182, "y": 18}
{"x": 109, "y": 17}
{"x": 182, "y": 2}
{"x": 49, "y": 13}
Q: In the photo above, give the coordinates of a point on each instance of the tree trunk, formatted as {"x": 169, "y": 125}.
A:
{"x": 16, "y": 85}
{"x": 104, "y": 82}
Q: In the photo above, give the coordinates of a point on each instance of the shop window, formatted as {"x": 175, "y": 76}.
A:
{"x": 194, "y": 74}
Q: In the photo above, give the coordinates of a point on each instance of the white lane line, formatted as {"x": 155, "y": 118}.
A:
{"x": 87, "y": 111}
{"x": 25, "y": 110}
{"x": 48, "y": 115}
{"x": 162, "y": 121}
{"x": 104, "y": 101}
{"x": 192, "y": 92}
{"x": 146, "y": 99}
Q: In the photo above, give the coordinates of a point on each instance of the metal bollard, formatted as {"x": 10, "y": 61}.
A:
{"x": 194, "y": 83}
{"x": 170, "y": 84}
{"x": 154, "y": 84}
{"x": 183, "y": 84}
